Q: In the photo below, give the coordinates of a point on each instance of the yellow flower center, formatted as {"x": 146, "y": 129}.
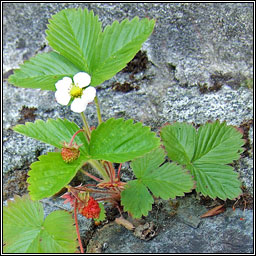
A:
{"x": 76, "y": 91}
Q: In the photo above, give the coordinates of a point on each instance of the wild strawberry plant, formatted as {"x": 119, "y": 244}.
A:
{"x": 83, "y": 57}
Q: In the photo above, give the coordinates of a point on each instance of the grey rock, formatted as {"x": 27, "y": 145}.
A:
{"x": 20, "y": 152}
{"x": 245, "y": 169}
{"x": 189, "y": 105}
{"x": 224, "y": 233}
{"x": 209, "y": 37}
{"x": 193, "y": 44}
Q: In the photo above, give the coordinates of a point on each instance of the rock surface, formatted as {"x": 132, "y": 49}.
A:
{"x": 181, "y": 231}
{"x": 194, "y": 66}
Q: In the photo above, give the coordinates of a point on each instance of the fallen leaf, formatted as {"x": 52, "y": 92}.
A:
{"x": 127, "y": 224}
{"x": 146, "y": 231}
{"x": 214, "y": 211}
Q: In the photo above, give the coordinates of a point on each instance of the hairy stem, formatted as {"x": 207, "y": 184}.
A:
{"x": 119, "y": 170}
{"x": 98, "y": 167}
{"x": 112, "y": 171}
{"x": 86, "y": 126}
{"x": 77, "y": 228}
{"x": 98, "y": 109}
{"x": 73, "y": 137}
{"x": 91, "y": 176}
{"x": 92, "y": 190}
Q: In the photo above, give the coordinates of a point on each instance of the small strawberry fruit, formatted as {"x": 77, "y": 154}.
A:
{"x": 69, "y": 152}
{"x": 91, "y": 210}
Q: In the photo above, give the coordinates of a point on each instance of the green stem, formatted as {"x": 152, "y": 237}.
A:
{"x": 96, "y": 165}
{"x": 86, "y": 126}
{"x": 98, "y": 109}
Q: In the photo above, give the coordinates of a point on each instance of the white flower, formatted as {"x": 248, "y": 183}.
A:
{"x": 67, "y": 90}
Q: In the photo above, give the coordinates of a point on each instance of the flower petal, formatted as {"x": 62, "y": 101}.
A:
{"x": 62, "y": 97}
{"x": 82, "y": 79}
{"x": 89, "y": 94}
{"x": 64, "y": 84}
{"x": 78, "y": 105}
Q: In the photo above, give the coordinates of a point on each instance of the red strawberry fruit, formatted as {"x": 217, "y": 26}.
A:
{"x": 69, "y": 152}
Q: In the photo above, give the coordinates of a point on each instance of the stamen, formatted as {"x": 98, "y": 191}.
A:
{"x": 76, "y": 91}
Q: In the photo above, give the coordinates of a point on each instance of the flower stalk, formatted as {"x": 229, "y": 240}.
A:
{"x": 98, "y": 167}
{"x": 86, "y": 126}
{"x": 98, "y": 109}
{"x": 73, "y": 137}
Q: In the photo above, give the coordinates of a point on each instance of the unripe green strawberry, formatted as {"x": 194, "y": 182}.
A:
{"x": 70, "y": 153}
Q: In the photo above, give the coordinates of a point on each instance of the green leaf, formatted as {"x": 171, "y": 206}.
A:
{"x": 74, "y": 34}
{"x": 21, "y": 216}
{"x": 53, "y": 132}
{"x": 117, "y": 45}
{"x": 58, "y": 234}
{"x": 216, "y": 180}
{"x": 179, "y": 141}
{"x": 50, "y": 174}
{"x": 148, "y": 163}
{"x": 43, "y": 71}
{"x": 167, "y": 181}
{"x": 217, "y": 142}
{"x": 136, "y": 199}
{"x": 25, "y": 231}
{"x": 206, "y": 154}
{"x": 80, "y": 45}
{"x": 119, "y": 141}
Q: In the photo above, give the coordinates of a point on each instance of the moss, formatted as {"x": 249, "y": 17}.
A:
{"x": 248, "y": 83}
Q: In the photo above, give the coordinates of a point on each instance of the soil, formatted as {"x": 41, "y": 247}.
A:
{"x": 15, "y": 183}
{"x": 138, "y": 64}
{"x": 218, "y": 79}
{"x": 27, "y": 115}
{"x": 245, "y": 127}
{"x": 125, "y": 87}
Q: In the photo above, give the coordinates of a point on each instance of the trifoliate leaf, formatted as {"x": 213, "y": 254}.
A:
{"x": 216, "y": 180}
{"x": 148, "y": 163}
{"x": 218, "y": 142}
{"x": 136, "y": 199}
{"x": 50, "y": 174}
{"x": 117, "y": 45}
{"x": 119, "y": 141}
{"x": 74, "y": 34}
{"x": 166, "y": 181}
{"x": 53, "y": 132}
{"x": 179, "y": 141}
{"x": 26, "y": 231}
{"x": 43, "y": 71}
{"x": 206, "y": 154}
